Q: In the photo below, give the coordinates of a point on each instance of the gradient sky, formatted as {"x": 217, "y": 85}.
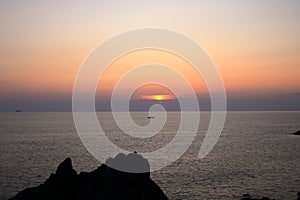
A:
{"x": 255, "y": 44}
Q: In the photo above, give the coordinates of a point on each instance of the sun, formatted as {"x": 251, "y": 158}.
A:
{"x": 158, "y": 97}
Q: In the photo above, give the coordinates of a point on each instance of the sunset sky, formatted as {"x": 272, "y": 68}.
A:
{"x": 255, "y": 44}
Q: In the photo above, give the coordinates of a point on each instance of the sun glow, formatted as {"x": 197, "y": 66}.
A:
{"x": 158, "y": 97}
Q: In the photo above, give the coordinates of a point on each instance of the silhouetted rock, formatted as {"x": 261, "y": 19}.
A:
{"x": 246, "y": 197}
{"x": 296, "y": 133}
{"x": 103, "y": 183}
{"x": 249, "y": 197}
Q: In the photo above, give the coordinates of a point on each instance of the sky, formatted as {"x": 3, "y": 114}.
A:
{"x": 255, "y": 45}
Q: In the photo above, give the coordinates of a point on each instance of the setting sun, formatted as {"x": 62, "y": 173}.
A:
{"x": 158, "y": 97}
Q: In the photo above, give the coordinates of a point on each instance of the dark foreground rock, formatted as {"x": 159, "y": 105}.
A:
{"x": 296, "y": 133}
{"x": 249, "y": 197}
{"x": 103, "y": 183}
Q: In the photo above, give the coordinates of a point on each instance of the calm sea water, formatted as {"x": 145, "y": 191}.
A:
{"x": 255, "y": 154}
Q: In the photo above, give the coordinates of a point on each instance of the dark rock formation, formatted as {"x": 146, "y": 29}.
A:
{"x": 249, "y": 197}
{"x": 103, "y": 183}
{"x": 296, "y": 133}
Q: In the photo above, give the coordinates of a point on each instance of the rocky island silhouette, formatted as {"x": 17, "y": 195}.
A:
{"x": 103, "y": 183}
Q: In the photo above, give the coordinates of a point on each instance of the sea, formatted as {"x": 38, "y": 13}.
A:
{"x": 256, "y": 153}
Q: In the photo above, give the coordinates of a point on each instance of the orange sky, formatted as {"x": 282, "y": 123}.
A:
{"x": 134, "y": 59}
{"x": 255, "y": 44}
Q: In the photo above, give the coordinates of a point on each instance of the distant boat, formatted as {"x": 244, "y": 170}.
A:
{"x": 18, "y": 110}
{"x": 150, "y": 117}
